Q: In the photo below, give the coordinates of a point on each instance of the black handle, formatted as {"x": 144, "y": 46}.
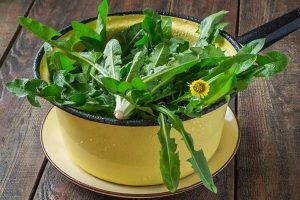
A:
{"x": 274, "y": 30}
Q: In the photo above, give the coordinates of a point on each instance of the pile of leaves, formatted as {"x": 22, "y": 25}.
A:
{"x": 144, "y": 73}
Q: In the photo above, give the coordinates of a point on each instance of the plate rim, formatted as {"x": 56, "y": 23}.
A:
{"x": 126, "y": 195}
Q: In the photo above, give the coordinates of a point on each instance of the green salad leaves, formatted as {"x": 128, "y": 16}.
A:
{"x": 146, "y": 72}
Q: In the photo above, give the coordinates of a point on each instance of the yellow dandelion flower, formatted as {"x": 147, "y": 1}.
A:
{"x": 199, "y": 88}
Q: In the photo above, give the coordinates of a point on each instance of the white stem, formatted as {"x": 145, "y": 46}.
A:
{"x": 123, "y": 110}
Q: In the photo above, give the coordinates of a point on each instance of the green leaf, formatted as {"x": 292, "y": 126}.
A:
{"x": 83, "y": 30}
{"x": 63, "y": 62}
{"x": 77, "y": 98}
{"x": 208, "y": 26}
{"x": 101, "y": 21}
{"x": 181, "y": 63}
{"x": 152, "y": 26}
{"x": 130, "y": 36}
{"x": 138, "y": 83}
{"x": 166, "y": 27}
{"x": 243, "y": 62}
{"x": 17, "y": 87}
{"x": 178, "y": 45}
{"x": 169, "y": 158}
{"x": 253, "y": 47}
{"x": 197, "y": 160}
{"x": 34, "y": 85}
{"x": 68, "y": 43}
{"x": 159, "y": 56}
{"x": 61, "y": 79}
{"x": 33, "y": 101}
{"x": 273, "y": 63}
{"x": 112, "y": 56}
{"x": 220, "y": 85}
{"x": 193, "y": 108}
{"x": 135, "y": 66}
{"x": 200, "y": 165}
{"x": 209, "y": 51}
{"x": 51, "y": 91}
{"x": 115, "y": 86}
{"x": 143, "y": 42}
{"x": 90, "y": 38}
{"x": 44, "y": 32}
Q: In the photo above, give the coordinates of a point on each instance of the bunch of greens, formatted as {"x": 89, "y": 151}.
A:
{"x": 146, "y": 73}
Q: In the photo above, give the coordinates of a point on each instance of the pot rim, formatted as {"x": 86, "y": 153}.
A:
{"x": 130, "y": 122}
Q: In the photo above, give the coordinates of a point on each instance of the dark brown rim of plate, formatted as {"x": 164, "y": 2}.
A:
{"x": 144, "y": 196}
{"x": 130, "y": 122}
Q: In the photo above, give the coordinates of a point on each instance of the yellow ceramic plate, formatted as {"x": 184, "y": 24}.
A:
{"x": 54, "y": 149}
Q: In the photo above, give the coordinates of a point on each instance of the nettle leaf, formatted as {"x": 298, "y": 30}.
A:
{"x": 198, "y": 161}
{"x": 44, "y": 32}
{"x": 169, "y": 158}
{"x": 253, "y": 47}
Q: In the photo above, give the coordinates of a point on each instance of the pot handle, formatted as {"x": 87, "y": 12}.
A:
{"x": 273, "y": 30}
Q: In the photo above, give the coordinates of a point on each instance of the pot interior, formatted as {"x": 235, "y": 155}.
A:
{"x": 182, "y": 28}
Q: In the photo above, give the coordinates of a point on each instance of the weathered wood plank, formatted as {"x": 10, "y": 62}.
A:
{"x": 268, "y": 159}
{"x": 21, "y": 154}
{"x": 9, "y": 10}
{"x": 53, "y": 185}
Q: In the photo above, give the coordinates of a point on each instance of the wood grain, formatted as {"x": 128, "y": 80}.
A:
{"x": 54, "y": 185}
{"x": 269, "y": 112}
{"x": 21, "y": 154}
{"x": 9, "y": 10}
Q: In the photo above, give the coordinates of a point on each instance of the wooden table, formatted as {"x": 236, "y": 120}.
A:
{"x": 267, "y": 162}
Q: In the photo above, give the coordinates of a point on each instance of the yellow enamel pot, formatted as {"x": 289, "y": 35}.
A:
{"x": 127, "y": 152}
